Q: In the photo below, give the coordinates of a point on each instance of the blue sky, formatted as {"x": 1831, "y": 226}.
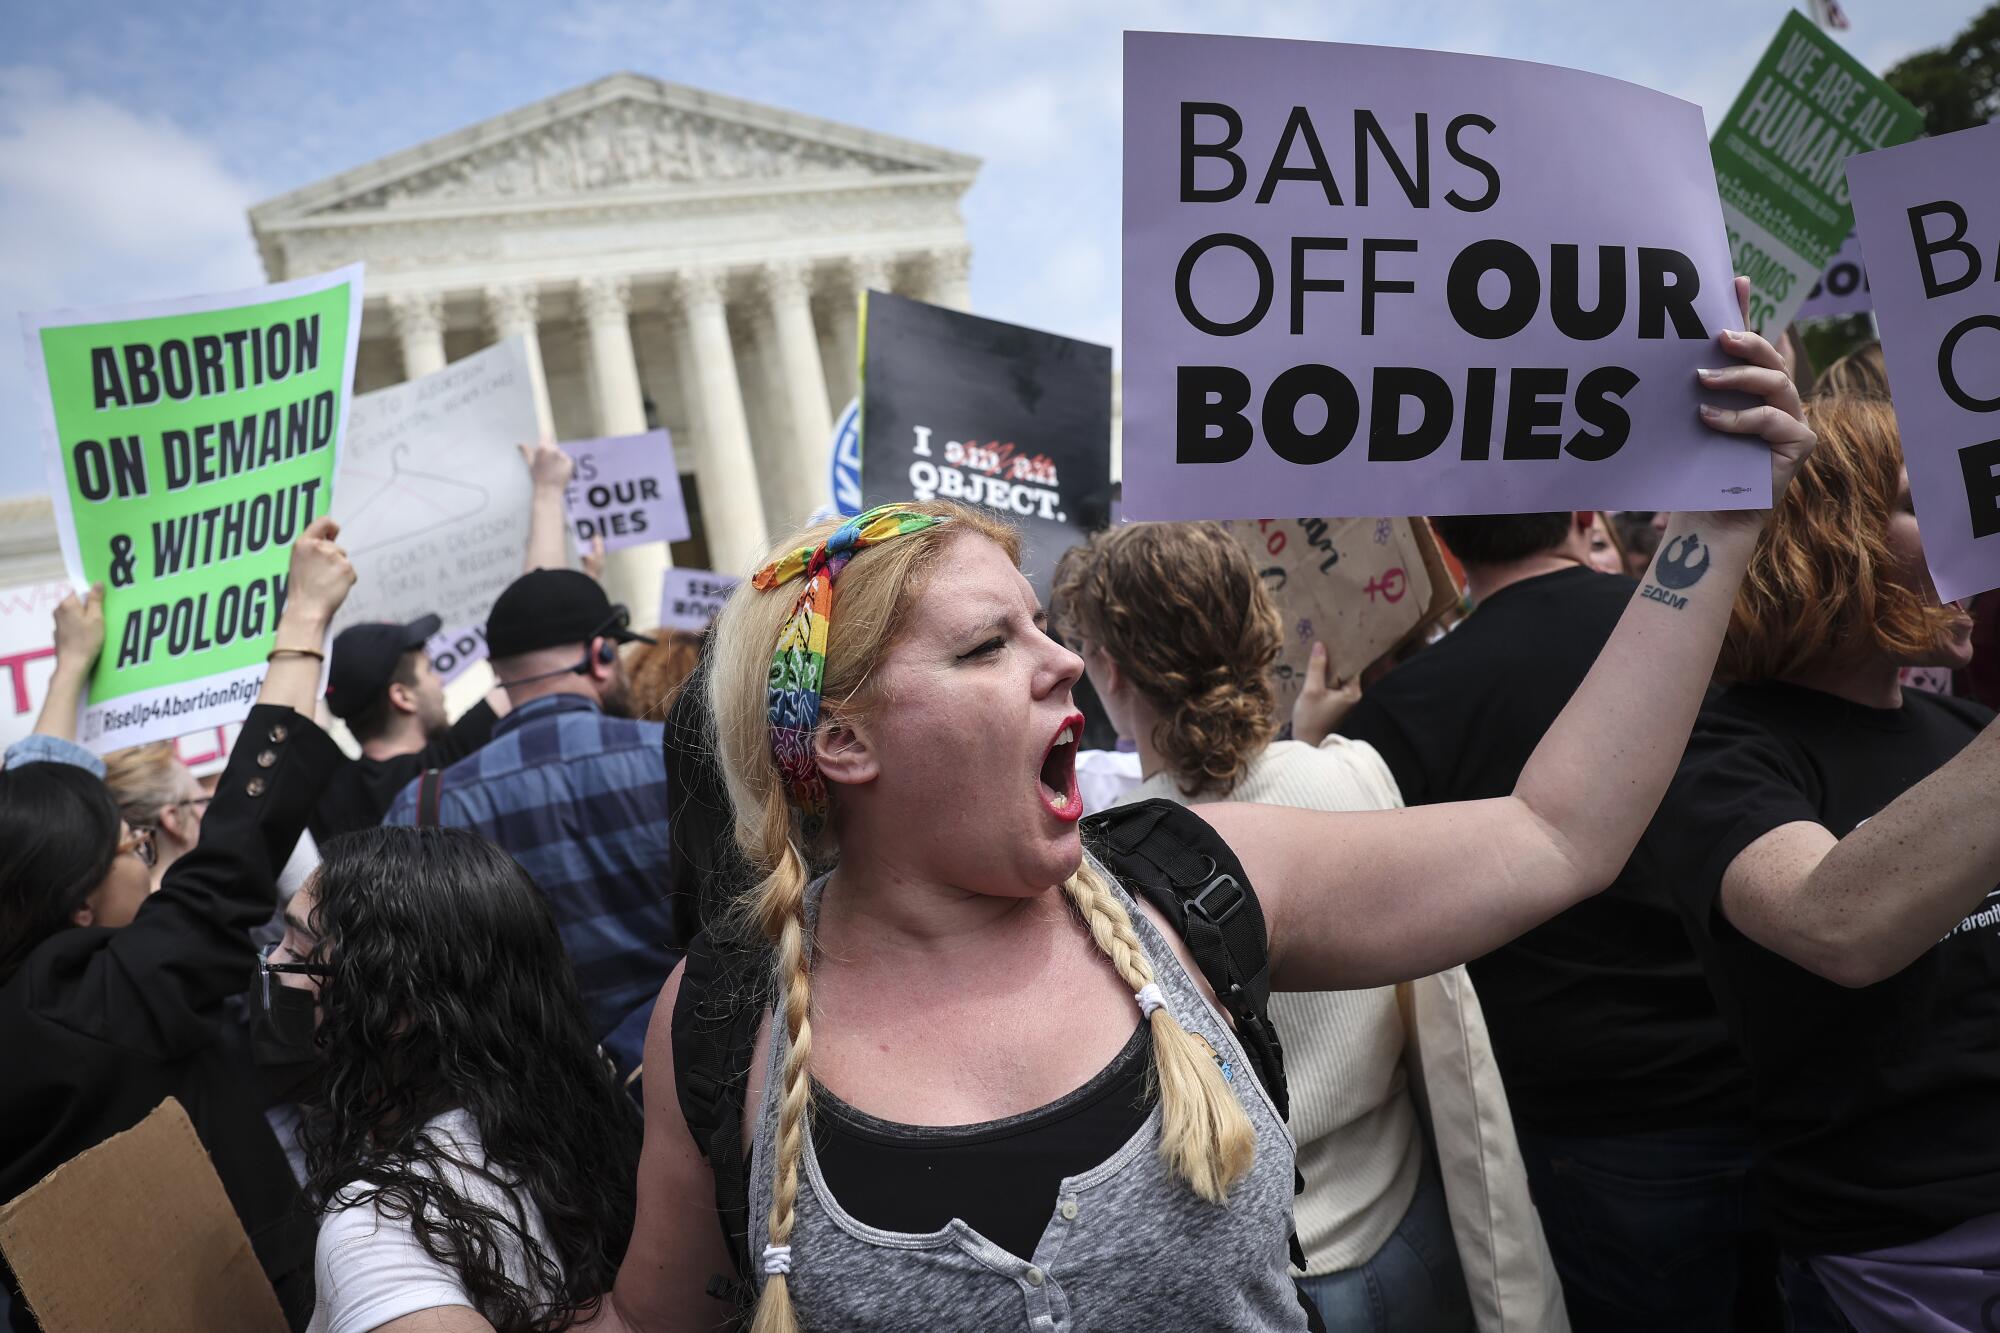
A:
{"x": 134, "y": 136}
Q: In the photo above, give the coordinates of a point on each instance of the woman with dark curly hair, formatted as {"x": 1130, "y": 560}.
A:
{"x": 470, "y": 1150}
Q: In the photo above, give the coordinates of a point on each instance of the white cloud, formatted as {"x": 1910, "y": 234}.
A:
{"x": 101, "y": 206}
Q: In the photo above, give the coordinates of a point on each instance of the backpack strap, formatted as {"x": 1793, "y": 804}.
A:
{"x": 430, "y": 791}
{"x": 714, "y": 1035}
{"x": 1174, "y": 859}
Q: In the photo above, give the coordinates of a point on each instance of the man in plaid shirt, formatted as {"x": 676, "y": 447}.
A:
{"x": 577, "y": 793}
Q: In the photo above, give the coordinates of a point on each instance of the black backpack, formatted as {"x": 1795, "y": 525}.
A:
{"x": 1161, "y": 852}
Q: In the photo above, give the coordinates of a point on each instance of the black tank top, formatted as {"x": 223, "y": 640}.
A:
{"x": 1001, "y": 1177}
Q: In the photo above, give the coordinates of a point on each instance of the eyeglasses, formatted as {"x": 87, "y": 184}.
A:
{"x": 139, "y": 842}
{"x": 265, "y": 967}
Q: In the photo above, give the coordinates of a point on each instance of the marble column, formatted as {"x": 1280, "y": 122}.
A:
{"x": 511, "y": 310}
{"x": 614, "y": 371}
{"x": 419, "y": 321}
{"x": 864, "y": 273}
{"x": 788, "y": 289}
{"x": 950, "y": 278}
{"x": 768, "y": 410}
{"x": 731, "y": 510}
{"x": 631, "y": 576}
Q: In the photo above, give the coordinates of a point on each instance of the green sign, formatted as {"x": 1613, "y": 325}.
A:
{"x": 1781, "y": 162}
{"x": 190, "y": 443}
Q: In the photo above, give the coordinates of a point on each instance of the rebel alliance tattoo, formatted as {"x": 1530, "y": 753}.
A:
{"x": 1681, "y": 564}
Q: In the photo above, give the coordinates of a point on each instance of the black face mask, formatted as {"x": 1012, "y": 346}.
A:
{"x": 281, "y": 1039}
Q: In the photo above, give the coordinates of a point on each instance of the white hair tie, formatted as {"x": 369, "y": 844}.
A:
{"x": 1150, "y": 998}
{"x": 777, "y": 1259}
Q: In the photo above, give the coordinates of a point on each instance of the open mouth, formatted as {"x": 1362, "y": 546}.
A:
{"x": 1055, "y": 783}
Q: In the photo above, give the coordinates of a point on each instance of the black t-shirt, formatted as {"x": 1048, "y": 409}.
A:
{"x": 1601, "y": 1021}
{"x": 1878, "y": 1108}
{"x": 362, "y": 791}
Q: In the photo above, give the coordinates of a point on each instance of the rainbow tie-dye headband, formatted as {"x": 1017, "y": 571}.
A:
{"x": 798, "y": 667}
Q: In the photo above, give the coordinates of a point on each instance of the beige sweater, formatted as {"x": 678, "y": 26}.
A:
{"x": 1360, "y": 1149}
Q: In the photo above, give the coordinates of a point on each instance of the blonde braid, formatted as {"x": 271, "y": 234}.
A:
{"x": 1205, "y": 1138}
{"x": 780, "y": 906}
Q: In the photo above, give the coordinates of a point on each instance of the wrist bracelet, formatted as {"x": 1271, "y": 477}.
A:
{"x": 313, "y": 653}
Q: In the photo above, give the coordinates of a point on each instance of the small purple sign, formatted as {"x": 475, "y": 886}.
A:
{"x": 1363, "y": 280}
{"x": 627, "y": 491}
{"x": 453, "y": 652}
{"x": 690, "y": 598}
{"x": 1843, "y": 288}
{"x": 1929, "y": 218}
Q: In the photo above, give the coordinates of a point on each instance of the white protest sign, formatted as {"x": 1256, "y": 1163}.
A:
{"x": 627, "y": 490}
{"x": 432, "y": 497}
{"x": 207, "y": 751}
{"x": 28, "y": 659}
{"x": 27, "y": 654}
{"x": 690, "y": 598}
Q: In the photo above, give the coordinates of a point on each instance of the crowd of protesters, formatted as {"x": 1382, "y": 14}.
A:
{"x": 1610, "y": 963}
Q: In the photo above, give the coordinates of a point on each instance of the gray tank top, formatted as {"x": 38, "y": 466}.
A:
{"x": 1127, "y": 1246}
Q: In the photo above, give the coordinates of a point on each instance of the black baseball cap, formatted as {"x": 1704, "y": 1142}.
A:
{"x": 547, "y": 608}
{"x": 364, "y": 662}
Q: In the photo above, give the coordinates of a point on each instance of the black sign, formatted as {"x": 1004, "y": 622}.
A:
{"x": 954, "y": 407}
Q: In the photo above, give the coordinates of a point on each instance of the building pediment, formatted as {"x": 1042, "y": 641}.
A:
{"x": 622, "y": 135}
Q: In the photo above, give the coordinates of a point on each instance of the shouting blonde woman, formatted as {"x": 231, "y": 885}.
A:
{"x": 1026, "y": 1108}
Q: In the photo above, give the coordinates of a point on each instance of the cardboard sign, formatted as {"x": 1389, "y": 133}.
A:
{"x": 691, "y": 598}
{"x": 1843, "y": 288}
{"x": 433, "y": 500}
{"x": 1930, "y": 222}
{"x": 189, "y": 442}
{"x": 453, "y": 652}
{"x": 1779, "y": 154}
{"x": 27, "y": 654}
{"x": 627, "y": 491}
{"x": 955, "y": 407}
{"x": 1361, "y": 280}
{"x": 1362, "y": 586}
{"x": 137, "y": 1233}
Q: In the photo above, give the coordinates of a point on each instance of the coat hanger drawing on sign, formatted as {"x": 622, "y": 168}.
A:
{"x": 460, "y": 500}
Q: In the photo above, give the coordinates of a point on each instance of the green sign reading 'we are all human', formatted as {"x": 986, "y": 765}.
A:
{"x": 1781, "y": 162}
{"x": 189, "y": 443}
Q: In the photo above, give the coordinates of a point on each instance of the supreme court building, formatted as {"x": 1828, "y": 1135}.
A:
{"x": 675, "y": 258}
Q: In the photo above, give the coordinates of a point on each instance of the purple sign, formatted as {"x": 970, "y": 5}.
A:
{"x": 1362, "y": 280}
{"x": 1843, "y": 288}
{"x": 690, "y": 598}
{"x": 627, "y": 491}
{"x": 453, "y": 652}
{"x": 1929, "y": 217}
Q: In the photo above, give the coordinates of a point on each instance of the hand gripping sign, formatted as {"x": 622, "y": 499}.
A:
{"x": 1361, "y": 280}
